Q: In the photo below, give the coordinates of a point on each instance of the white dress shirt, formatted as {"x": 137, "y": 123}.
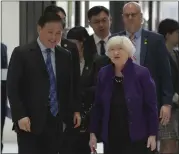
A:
{"x": 97, "y": 42}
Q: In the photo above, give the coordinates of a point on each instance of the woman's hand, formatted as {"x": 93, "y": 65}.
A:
{"x": 151, "y": 143}
{"x": 93, "y": 142}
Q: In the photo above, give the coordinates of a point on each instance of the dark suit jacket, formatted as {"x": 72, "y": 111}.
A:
{"x": 175, "y": 71}
{"x": 141, "y": 100}
{"x": 70, "y": 46}
{"x": 28, "y": 85}
{"x": 154, "y": 56}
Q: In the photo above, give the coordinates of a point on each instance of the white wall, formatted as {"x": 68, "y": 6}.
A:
{"x": 9, "y": 36}
{"x": 10, "y": 25}
{"x": 169, "y": 10}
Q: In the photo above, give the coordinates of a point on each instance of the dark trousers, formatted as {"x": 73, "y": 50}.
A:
{"x": 81, "y": 143}
{"x": 48, "y": 142}
{"x": 139, "y": 147}
{"x": 78, "y": 142}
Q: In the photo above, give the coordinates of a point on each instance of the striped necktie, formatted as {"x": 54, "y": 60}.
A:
{"x": 132, "y": 38}
{"x": 52, "y": 79}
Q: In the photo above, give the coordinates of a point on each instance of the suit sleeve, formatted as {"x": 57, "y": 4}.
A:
{"x": 164, "y": 73}
{"x": 150, "y": 102}
{"x": 14, "y": 75}
{"x": 76, "y": 78}
{"x": 96, "y": 112}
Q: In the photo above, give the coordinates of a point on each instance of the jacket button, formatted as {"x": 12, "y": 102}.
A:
{"x": 128, "y": 99}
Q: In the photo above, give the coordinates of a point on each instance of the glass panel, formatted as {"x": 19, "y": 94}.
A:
{"x": 169, "y": 10}
{"x": 145, "y": 10}
{"x": 82, "y": 13}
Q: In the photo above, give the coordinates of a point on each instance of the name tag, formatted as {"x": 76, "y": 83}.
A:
{"x": 3, "y": 74}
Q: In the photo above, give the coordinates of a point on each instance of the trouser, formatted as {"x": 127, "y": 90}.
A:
{"x": 48, "y": 142}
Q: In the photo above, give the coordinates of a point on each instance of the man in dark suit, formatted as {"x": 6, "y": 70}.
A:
{"x": 152, "y": 53}
{"x": 40, "y": 90}
{"x": 100, "y": 20}
{"x": 70, "y": 46}
{"x": 4, "y": 65}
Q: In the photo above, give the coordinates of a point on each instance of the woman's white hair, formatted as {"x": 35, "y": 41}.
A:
{"x": 123, "y": 41}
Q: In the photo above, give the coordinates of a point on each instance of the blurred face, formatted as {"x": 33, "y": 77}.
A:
{"x": 173, "y": 38}
{"x": 50, "y": 34}
{"x": 118, "y": 55}
{"x": 132, "y": 18}
{"x": 101, "y": 24}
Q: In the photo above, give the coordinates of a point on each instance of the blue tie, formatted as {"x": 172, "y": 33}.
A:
{"x": 53, "y": 92}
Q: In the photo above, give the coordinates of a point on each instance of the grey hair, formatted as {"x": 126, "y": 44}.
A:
{"x": 124, "y": 42}
{"x": 138, "y": 6}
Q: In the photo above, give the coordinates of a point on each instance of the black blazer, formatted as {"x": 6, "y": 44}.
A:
{"x": 154, "y": 56}
{"x": 28, "y": 85}
{"x": 70, "y": 46}
{"x": 175, "y": 71}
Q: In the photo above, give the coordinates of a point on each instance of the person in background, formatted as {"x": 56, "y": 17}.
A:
{"x": 151, "y": 52}
{"x": 40, "y": 90}
{"x": 80, "y": 137}
{"x": 100, "y": 20}
{"x": 126, "y": 101}
{"x": 70, "y": 46}
{"x": 4, "y": 65}
{"x": 168, "y": 134}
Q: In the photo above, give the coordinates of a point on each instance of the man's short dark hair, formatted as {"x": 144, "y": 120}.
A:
{"x": 54, "y": 9}
{"x": 168, "y": 26}
{"x": 49, "y": 17}
{"x": 94, "y": 11}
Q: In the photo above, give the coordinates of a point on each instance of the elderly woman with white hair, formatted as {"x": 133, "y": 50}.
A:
{"x": 125, "y": 102}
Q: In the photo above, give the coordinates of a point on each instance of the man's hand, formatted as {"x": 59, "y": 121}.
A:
{"x": 77, "y": 119}
{"x": 24, "y": 124}
{"x": 165, "y": 114}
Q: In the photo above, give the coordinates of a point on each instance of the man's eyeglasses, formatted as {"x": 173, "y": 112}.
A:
{"x": 97, "y": 22}
{"x": 127, "y": 15}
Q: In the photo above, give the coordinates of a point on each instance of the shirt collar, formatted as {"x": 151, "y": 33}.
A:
{"x": 136, "y": 34}
{"x": 42, "y": 47}
{"x": 98, "y": 39}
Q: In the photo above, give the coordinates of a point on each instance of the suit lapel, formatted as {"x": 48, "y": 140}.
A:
{"x": 64, "y": 44}
{"x": 144, "y": 43}
{"x": 172, "y": 62}
{"x": 92, "y": 45}
{"x": 59, "y": 62}
{"x": 38, "y": 57}
{"x": 85, "y": 70}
